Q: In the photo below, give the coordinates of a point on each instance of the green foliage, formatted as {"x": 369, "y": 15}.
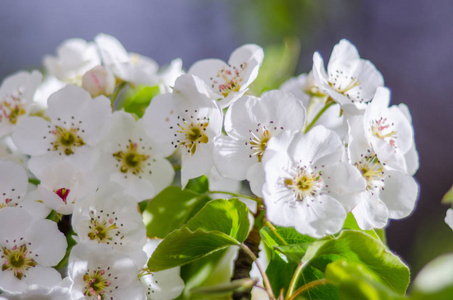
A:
{"x": 360, "y": 248}
{"x": 351, "y": 223}
{"x": 355, "y": 281}
{"x": 279, "y": 65}
{"x": 448, "y": 197}
{"x": 199, "y": 185}
{"x": 219, "y": 224}
{"x": 138, "y": 98}
{"x": 207, "y": 271}
{"x": 171, "y": 209}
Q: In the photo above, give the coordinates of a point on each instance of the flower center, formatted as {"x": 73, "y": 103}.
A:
{"x": 66, "y": 139}
{"x": 348, "y": 86}
{"x": 228, "y": 79}
{"x": 62, "y": 193}
{"x": 104, "y": 228}
{"x": 131, "y": 159}
{"x": 17, "y": 259}
{"x": 193, "y": 134}
{"x": 11, "y": 108}
{"x": 96, "y": 284}
{"x": 372, "y": 170}
{"x": 259, "y": 142}
{"x": 383, "y": 130}
{"x": 305, "y": 184}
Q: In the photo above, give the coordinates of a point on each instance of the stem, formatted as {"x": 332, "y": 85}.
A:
{"x": 267, "y": 283}
{"x": 34, "y": 181}
{"x": 274, "y": 230}
{"x": 308, "y": 286}
{"x": 293, "y": 283}
{"x": 328, "y": 104}
{"x": 232, "y": 194}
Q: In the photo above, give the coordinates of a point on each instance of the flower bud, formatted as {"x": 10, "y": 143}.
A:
{"x": 99, "y": 81}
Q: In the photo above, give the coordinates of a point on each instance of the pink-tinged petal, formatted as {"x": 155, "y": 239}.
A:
{"x": 400, "y": 194}
{"x": 371, "y": 212}
{"x": 232, "y": 158}
{"x": 31, "y": 135}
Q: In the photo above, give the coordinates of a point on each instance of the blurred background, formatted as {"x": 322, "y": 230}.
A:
{"x": 409, "y": 41}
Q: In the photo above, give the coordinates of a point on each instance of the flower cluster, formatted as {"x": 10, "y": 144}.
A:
{"x": 325, "y": 144}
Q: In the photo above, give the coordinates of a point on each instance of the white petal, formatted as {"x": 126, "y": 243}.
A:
{"x": 449, "y": 217}
{"x": 195, "y": 165}
{"x": 400, "y": 194}
{"x": 371, "y": 213}
{"x": 255, "y": 176}
{"x": 232, "y": 158}
{"x": 163, "y": 285}
{"x": 344, "y": 183}
{"x": 29, "y": 135}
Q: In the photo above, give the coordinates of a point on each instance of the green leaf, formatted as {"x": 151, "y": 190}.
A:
{"x": 351, "y": 223}
{"x": 435, "y": 280}
{"x": 199, "y": 185}
{"x": 286, "y": 247}
{"x": 219, "y": 224}
{"x": 287, "y": 242}
{"x": 227, "y": 216}
{"x": 171, "y": 209}
{"x": 208, "y": 271}
{"x": 138, "y": 99}
{"x": 354, "y": 281}
{"x": 280, "y": 273}
{"x": 448, "y": 198}
{"x": 183, "y": 246}
{"x": 358, "y": 247}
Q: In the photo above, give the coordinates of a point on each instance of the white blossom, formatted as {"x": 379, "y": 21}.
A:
{"x": 350, "y": 81}
{"x": 28, "y": 249}
{"x": 187, "y": 119}
{"x": 130, "y": 159}
{"x": 77, "y": 123}
{"x": 97, "y": 272}
{"x": 130, "y": 67}
{"x": 74, "y": 58}
{"x": 110, "y": 217}
{"x": 250, "y": 123}
{"x": 306, "y": 186}
{"x": 229, "y": 81}
{"x": 16, "y": 99}
{"x": 389, "y": 193}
